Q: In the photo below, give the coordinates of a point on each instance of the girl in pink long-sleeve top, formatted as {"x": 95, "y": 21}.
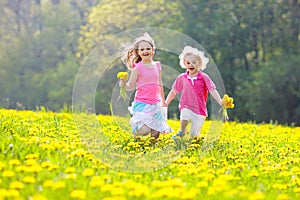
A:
{"x": 194, "y": 86}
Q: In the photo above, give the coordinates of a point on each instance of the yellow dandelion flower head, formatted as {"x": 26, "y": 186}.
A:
{"x": 29, "y": 179}
{"x": 31, "y": 156}
{"x": 8, "y": 173}
{"x": 16, "y": 185}
{"x": 14, "y": 162}
{"x": 227, "y": 101}
{"x": 70, "y": 170}
{"x": 48, "y": 184}
{"x": 78, "y": 194}
{"x": 88, "y": 172}
{"x": 123, "y": 76}
{"x": 38, "y": 197}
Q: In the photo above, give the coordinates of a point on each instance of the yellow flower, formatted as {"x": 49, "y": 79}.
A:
{"x": 38, "y": 197}
{"x": 202, "y": 184}
{"x": 227, "y": 102}
{"x": 256, "y": 196}
{"x": 14, "y": 162}
{"x": 8, "y": 173}
{"x": 34, "y": 168}
{"x": 16, "y": 185}
{"x": 96, "y": 181}
{"x": 254, "y": 173}
{"x": 31, "y": 156}
{"x": 78, "y": 194}
{"x": 279, "y": 186}
{"x": 30, "y": 162}
{"x": 71, "y": 176}
{"x": 123, "y": 76}
{"x": 297, "y": 190}
{"x": 88, "y": 172}
{"x": 29, "y": 179}
{"x": 283, "y": 197}
{"x": 12, "y": 193}
{"x": 48, "y": 184}
{"x": 69, "y": 170}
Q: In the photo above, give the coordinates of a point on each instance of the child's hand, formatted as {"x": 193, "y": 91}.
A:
{"x": 123, "y": 76}
{"x": 163, "y": 104}
{"x": 227, "y": 102}
{"x": 122, "y": 83}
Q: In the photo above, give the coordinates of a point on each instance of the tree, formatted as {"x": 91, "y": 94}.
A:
{"x": 37, "y": 38}
{"x": 241, "y": 40}
{"x": 274, "y": 93}
{"x": 110, "y": 18}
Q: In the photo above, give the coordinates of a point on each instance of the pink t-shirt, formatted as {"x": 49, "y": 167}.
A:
{"x": 147, "y": 85}
{"x": 193, "y": 92}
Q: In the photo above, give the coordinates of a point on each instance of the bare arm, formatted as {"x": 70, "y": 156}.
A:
{"x": 130, "y": 85}
{"x": 170, "y": 97}
{"x": 215, "y": 94}
{"x": 162, "y": 95}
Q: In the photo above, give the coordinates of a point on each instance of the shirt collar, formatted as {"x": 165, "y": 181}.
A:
{"x": 199, "y": 76}
{"x": 186, "y": 75}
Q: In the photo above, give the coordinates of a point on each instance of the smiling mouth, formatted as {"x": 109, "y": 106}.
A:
{"x": 191, "y": 68}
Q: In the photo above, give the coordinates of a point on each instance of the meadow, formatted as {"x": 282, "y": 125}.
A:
{"x": 47, "y": 155}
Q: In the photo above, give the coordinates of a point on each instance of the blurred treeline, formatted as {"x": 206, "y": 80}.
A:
{"x": 254, "y": 43}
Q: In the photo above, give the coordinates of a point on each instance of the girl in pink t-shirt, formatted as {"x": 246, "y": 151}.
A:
{"x": 145, "y": 77}
{"x": 194, "y": 86}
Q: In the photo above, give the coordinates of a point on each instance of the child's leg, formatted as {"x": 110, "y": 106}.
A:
{"x": 197, "y": 122}
{"x": 155, "y": 133}
{"x": 185, "y": 117}
{"x": 184, "y": 120}
{"x": 183, "y": 125}
{"x": 144, "y": 130}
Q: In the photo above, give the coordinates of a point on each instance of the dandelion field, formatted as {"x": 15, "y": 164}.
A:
{"x": 44, "y": 156}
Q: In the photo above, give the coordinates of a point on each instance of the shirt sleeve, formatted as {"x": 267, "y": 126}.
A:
{"x": 209, "y": 83}
{"x": 177, "y": 85}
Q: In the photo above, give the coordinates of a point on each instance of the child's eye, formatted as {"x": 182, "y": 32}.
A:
{"x": 148, "y": 49}
{"x": 141, "y": 49}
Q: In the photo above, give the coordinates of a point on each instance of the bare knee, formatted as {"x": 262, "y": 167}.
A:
{"x": 144, "y": 130}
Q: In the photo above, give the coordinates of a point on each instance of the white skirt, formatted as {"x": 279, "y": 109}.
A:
{"x": 151, "y": 115}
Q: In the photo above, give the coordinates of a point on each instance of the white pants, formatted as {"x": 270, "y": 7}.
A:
{"x": 195, "y": 119}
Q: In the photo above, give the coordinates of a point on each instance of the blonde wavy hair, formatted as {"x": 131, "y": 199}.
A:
{"x": 128, "y": 51}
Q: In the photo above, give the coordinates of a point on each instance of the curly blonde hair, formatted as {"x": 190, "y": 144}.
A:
{"x": 188, "y": 50}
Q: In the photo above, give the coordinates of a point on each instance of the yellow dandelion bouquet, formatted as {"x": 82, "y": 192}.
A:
{"x": 227, "y": 102}
{"x": 123, "y": 76}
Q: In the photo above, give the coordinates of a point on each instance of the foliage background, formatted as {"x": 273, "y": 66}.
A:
{"x": 255, "y": 45}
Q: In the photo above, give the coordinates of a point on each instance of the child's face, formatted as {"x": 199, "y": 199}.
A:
{"x": 192, "y": 64}
{"x": 145, "y": 51}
